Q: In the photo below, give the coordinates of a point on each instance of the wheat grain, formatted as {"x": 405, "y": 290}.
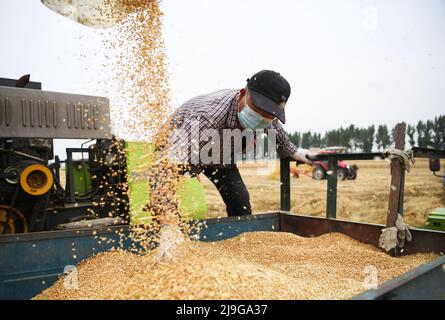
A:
{"x": 257, "y": 265}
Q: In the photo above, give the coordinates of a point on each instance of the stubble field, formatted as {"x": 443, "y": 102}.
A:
{"x": 364, "y": 199}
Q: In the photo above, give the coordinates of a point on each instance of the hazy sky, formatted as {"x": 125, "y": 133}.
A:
{"x": 348, "y": 61}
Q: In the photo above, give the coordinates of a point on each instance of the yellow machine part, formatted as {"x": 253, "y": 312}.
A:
{"x": 15, "y": 215}
{"x": 36, "y": 179}
{"x": 306, "y": 169}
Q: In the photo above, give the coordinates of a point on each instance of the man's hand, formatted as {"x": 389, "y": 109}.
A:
{"x": 301, "y": 155}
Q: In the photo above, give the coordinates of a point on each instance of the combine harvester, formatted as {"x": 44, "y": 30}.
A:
{"x": 43, "y": 222}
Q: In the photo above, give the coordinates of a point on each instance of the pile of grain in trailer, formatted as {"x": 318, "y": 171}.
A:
{"x": 256, "y": 265}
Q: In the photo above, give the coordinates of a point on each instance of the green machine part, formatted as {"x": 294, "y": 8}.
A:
{"x": 436, "y": 219}
{"x": 82, "y": 176}
{"x": 190, "y": 193}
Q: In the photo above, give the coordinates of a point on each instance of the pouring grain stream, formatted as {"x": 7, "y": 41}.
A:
{"x": 139, "y": 63}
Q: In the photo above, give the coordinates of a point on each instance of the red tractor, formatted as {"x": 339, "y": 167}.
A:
{"x": 344, "y": 171}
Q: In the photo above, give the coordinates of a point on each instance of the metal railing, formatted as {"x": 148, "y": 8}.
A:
{"x": 331, "y": 193}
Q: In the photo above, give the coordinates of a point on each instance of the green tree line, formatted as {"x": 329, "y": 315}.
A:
{"x": 430, "y": 133}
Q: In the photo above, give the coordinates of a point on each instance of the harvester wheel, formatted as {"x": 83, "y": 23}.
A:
{"x": 351, "y": 176}
{"x": 318, "y": 173}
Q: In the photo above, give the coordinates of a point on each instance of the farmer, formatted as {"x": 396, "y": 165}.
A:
{"x": 259, "y": 105}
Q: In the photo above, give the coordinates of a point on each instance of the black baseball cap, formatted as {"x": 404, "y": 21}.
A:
{"x": 270, "y": 92}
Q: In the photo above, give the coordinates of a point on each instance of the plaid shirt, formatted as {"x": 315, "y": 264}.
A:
{"x": 217, "y": 110}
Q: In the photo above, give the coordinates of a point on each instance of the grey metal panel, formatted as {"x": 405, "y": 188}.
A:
{"x": 26, "y": 113}
{"x": 424, "y": 282}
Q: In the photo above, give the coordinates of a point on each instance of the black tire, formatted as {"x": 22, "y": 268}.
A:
{"x": 341, "y": 174}
{"x": 352, "y": 172}
{"x": 352, "y": 175}
{"x": 318, "y": 173}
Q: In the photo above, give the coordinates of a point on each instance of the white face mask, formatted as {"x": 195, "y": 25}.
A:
{"x": 250, "y": 119}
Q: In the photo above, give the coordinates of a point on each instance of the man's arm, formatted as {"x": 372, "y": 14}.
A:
{"x": 285, "y": 148}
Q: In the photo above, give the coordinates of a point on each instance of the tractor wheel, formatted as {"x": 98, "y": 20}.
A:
{"x": 318, "y": 173}
{"x": 351, "y": 175}
{"x": 341, "y": 174}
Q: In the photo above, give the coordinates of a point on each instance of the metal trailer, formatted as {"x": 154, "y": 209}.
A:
{"x": 31, "y": 262}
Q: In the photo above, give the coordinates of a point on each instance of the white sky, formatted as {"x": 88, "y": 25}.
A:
{"x": 361, "y": 62}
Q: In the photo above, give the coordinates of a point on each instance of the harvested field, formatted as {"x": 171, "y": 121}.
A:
{"x": 364, "y": 199}
{"x": 257, "y": 265}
